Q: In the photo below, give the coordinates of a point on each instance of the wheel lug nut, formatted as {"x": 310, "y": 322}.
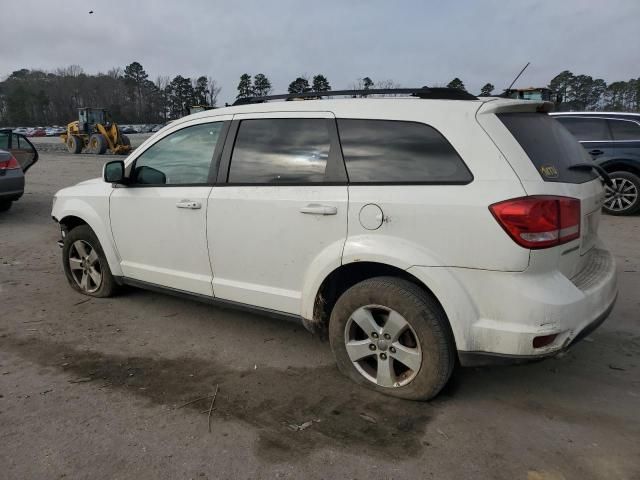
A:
{"x": 374, "y": 335}
{"x": 392, "y": 349}
{"x": 387, "y": 336}
{"x": 372, "y": 347}
{"x": 383, "y": 356}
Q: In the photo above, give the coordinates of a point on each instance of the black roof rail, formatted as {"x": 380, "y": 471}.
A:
{"x": 436, "y": 93}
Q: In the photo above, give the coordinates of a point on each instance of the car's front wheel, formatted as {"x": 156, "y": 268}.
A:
{"x": 5, "y": 205}
{"x": 623, "y": 197}
{"x": 390, "y": 335}
{"x": 85, "y": 264}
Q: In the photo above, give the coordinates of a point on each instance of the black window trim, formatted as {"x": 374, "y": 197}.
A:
{"x": 213, "y": 167}
{"x": 335, "y": 172}
{"x": 427, "y": 182}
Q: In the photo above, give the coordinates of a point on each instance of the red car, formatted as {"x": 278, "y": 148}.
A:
{"x": 38, "y": 132}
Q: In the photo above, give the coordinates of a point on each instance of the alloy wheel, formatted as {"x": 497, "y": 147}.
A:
{"x": 621, "y": 196}
{"x": 383, "y": 346}
{"x": 85, "y": 266}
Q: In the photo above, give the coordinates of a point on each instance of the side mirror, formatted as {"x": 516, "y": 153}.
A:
{"x": 113, "y": 172}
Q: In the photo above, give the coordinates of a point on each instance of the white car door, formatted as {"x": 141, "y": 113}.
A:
{"x": 158, "y": 220}
{"x": 282, "y": 209}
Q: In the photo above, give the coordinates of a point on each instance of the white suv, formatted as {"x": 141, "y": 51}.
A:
{"x": 415, "y": 231}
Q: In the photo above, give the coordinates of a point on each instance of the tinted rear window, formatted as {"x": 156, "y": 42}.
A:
{"x": 551, "y": 148}
{"x": 586, "y": 129}
{"x": 280, "y": 151}
{"x": 624, "y": 130}
{"x": 383, "y": 151}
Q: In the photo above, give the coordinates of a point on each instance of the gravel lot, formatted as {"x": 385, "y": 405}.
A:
{"x": 91, "y": 388}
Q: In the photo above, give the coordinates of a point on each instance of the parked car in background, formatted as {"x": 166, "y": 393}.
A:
{"x": 613, "y": 142}
{"x": 128, "y": 129}
{"x": 17, "y": 155}
{"x": 156, "y": 127}
{"x": 21, "y": 130}
{"x": 37, "y": 132}
{"x": 54, "y": 131}
{"x": 417, "y": 232}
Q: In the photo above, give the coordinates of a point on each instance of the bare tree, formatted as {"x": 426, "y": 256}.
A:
{"x": 214, "y": 91}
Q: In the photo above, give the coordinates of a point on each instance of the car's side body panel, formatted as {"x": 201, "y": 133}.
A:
{"x": 89, "y": 201}
{"x": 263, "y": 245}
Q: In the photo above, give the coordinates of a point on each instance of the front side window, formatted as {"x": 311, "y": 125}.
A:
{"x": 383, "y": 151}
{"x": 280, "y": 151}
{"x": 183, "y": 157}
{"x": 586, "y": 129}
{"x": 624, "y": 130}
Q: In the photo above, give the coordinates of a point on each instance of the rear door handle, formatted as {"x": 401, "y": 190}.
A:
{"x": 319, "y": 209}
{"x": 189, "y": 204}
{"x": 596, "y": 152}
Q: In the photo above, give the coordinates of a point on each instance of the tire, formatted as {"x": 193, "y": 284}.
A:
{"x": 125, "y": 140}
{"x": 74, "y": 144}
{"x": 97, "y": 144}
{"x": 5, "y": 205}
{"x": 624, "y": 199}
{"x": 92, "y": 259}
{"x": 425, "y": 341}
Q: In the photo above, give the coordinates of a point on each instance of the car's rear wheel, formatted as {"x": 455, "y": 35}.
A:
{"x": 623, "y": 198}
{"x": 392, "y": 336}
{"x": 85, "y": 264}
{"x": 5, "y": 205}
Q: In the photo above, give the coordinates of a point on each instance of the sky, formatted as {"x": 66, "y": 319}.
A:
{"x": 414, "y": 43}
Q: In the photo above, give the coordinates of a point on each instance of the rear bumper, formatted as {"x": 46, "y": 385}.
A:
{"x": 499, "y": 314}
{"x": 477, "y": 359}
{"x": 11, "y": 185}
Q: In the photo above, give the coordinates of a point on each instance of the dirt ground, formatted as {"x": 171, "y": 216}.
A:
{"x": 95, "y": 388}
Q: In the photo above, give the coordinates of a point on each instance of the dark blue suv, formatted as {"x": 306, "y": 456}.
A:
{"x": 613, "y": 141}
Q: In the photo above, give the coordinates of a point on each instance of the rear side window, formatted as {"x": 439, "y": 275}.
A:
{"x": 586, "y": 129}
{"x": 4, "y": 140}
{"x": 551, "y": 148}
{"x": 624, "y": 130}
{"x": 280, "y": 151}
{"x": 384, "y": 151}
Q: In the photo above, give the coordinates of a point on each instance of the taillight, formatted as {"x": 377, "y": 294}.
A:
{"x": 539, "y": 221}
{"x": 10, "y": 164}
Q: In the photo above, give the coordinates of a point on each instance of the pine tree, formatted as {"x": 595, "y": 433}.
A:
{"x": 320, "y": 84}
{"x": 261, "y": 85}
{"x": 486, "y": 90}
{"x": 299, "y": 85}
{"x": 245, "y": 88}
{"x": 457, "y": 83}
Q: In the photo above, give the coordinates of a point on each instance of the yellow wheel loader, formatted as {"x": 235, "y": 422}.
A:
{"x": 94, "y": 132}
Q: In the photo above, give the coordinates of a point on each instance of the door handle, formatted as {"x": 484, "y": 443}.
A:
{"x": 596, "y": 152}
{"x": 319, "y": 209}
{"x": 189, "y": 204}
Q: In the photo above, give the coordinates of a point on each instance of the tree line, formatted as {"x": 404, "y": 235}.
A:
{"x": 583, "y": 92}
{"x": 35, "y": 97}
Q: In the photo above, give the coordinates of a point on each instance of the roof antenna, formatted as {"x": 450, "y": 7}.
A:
{"x": 517, "y": 77}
